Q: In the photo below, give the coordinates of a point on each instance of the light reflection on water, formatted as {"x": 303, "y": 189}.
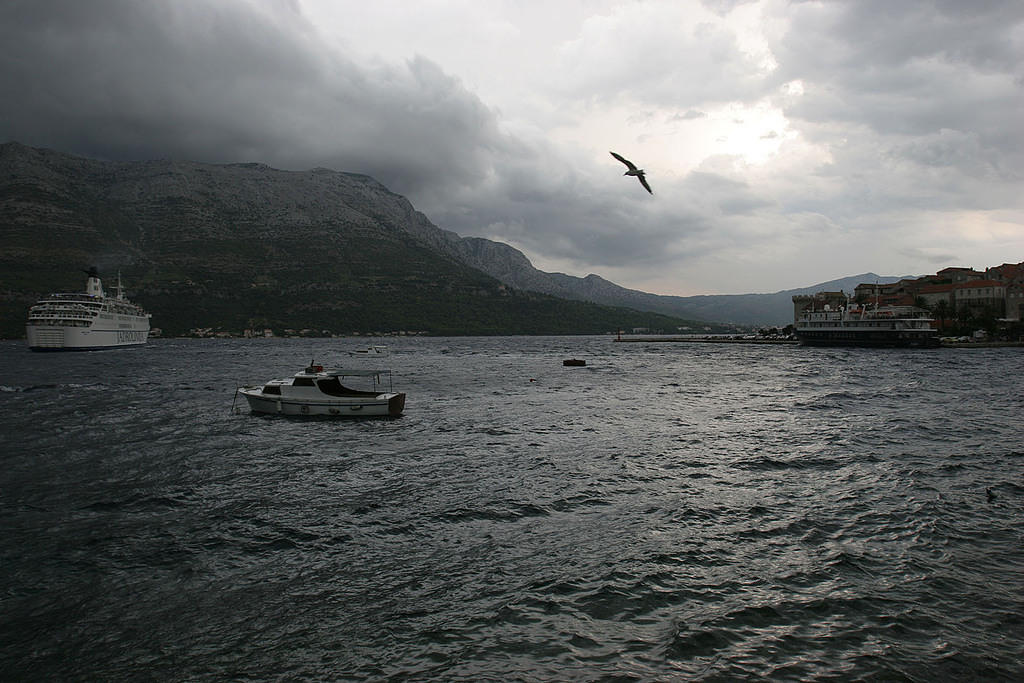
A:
{"x": 668, "y": 510}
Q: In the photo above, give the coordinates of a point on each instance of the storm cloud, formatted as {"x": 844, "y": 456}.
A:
{"x": 788, "y": 143}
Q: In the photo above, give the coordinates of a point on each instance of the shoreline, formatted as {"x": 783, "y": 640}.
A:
{"x": 792, "y": 342}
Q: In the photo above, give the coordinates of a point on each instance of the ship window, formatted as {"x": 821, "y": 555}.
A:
{"x": 302, "y": 382}
{"x": 272, "y": 389}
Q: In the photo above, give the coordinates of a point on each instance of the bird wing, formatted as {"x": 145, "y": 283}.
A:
{"x": 643, "y": 181}
{"x": 624, "y": 160}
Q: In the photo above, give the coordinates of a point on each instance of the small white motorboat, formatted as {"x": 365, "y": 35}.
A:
{"x": 316, "y": 391}
{"x": 372, "y": 350}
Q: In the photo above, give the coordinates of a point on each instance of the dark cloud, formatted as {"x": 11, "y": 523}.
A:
{"x": 227, "y": 82}
{"x": 908, "y": 68}
{"x": 127, "y": 79}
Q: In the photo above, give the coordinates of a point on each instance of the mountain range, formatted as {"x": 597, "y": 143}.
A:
{"x": 246, "y": 245}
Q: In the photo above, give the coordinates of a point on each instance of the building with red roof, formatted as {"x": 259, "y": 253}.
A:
{"x": 998, "y": 290}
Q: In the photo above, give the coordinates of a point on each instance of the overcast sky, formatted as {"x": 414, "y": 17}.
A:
{"x": 787, "y": 143}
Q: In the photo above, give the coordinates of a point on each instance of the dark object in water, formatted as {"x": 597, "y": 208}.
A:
{"x": 574, "y": 362}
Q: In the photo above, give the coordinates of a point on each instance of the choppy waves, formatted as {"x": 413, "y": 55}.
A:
{"x": 667, "y": 512}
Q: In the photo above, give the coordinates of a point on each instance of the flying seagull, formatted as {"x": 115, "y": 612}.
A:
{"x": 633, "y": 170}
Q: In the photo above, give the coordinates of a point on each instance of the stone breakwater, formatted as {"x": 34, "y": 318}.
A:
{"x": 708, "y": 340}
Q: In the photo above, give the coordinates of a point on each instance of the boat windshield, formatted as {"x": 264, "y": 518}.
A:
{"x": 333, "y": 387}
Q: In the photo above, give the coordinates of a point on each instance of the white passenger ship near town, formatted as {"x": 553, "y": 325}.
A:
{"x": 863, "y": 326}
{"x": 86, "y": 321}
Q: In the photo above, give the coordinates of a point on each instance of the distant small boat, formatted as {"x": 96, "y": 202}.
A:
{"x": 316, "y": 391}
{"x": 372, "y": 350}
{"x": 574, "y": 362}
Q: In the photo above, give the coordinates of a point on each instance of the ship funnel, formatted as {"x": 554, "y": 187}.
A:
{"x": 93, "y": 287}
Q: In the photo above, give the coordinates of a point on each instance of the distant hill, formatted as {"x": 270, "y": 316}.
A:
{"x": 512, "y": 267}
{"x": 245, "y": 245}
{"x": 747, "y": 309}
{"x": 240, "y": 245}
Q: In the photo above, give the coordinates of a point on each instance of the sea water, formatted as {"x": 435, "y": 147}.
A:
{"x": 670, "y": 511}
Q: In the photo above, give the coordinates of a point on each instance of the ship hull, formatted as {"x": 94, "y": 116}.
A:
{"x": 66, "y": 338}
{"x": 886, "y": 326}
{"x": 872, "y": 338}
{"x": 383, "y": 405}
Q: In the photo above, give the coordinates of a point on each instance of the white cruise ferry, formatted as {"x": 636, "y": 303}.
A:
{"x": 86, "y": 321}
{"x": 860, "y": 326}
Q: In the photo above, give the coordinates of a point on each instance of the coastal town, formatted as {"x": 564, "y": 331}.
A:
{"x": 961, "y": 301}
{"x": 954, "y": 307}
